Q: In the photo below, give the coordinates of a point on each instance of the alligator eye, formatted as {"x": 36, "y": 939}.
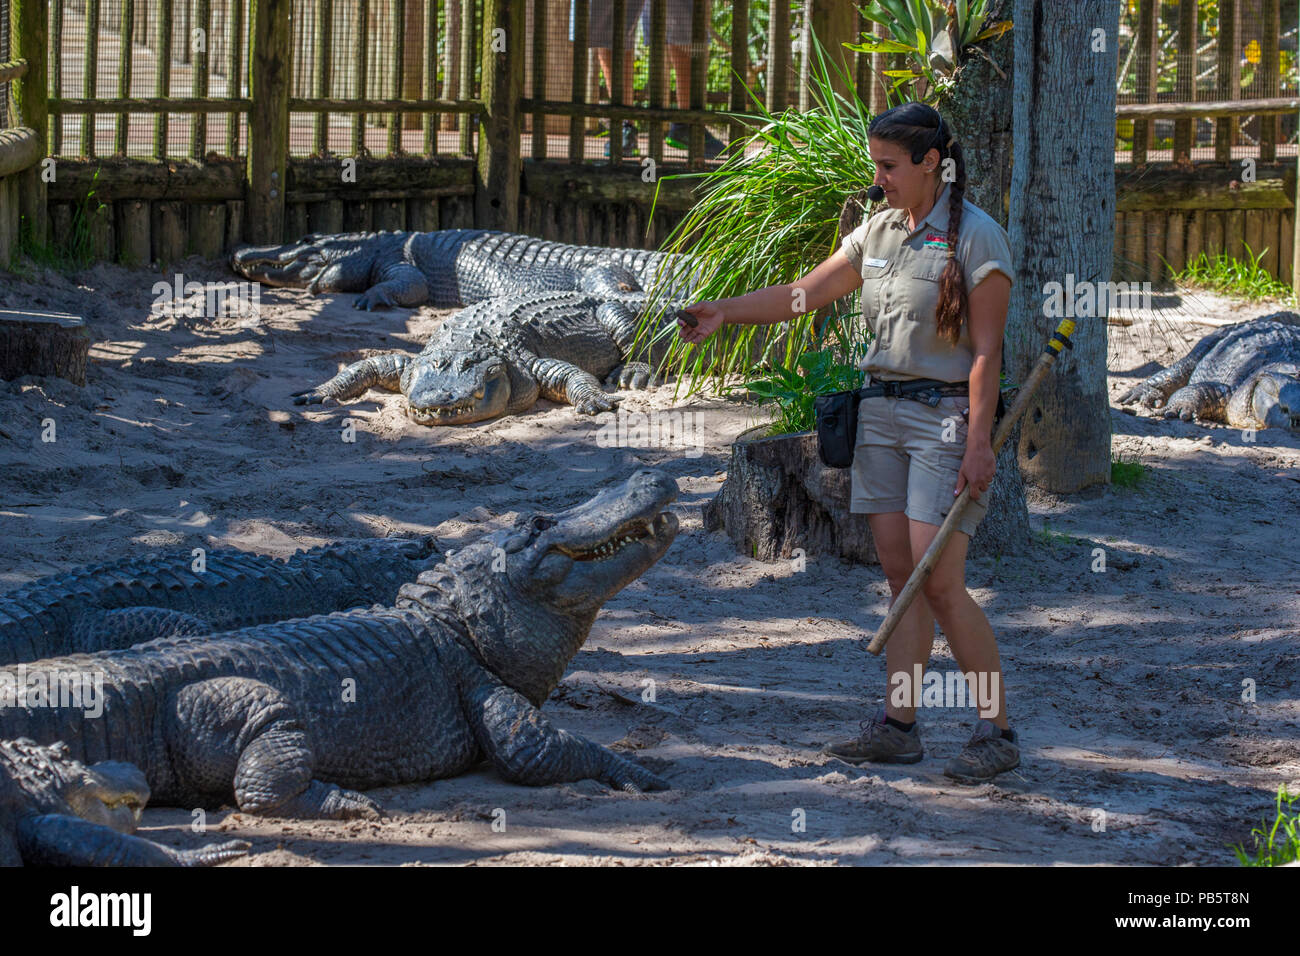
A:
{"x": 541, "y": 523}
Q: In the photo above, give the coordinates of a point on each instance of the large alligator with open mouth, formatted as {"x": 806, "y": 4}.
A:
{"x": 452, "y": 267}
{"x": 498, "y": 357}
{"x": 286, "y": 719}
{"x": 56, "y": 811}
{"x": 1246, "y": 375}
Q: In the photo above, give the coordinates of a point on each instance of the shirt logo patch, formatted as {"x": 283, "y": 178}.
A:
{"x": 936, "y": 240}
{"x": 876, "y": 262}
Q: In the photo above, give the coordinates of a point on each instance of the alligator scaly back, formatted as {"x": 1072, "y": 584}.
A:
{"x": 176, "y": 593}
{"x": 453, "y": 267}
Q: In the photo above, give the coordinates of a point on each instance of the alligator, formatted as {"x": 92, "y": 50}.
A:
{"x": 1246, "y": 375}
{"x": 451, "y": 267}
{"x": 56, "y": 811}
{"x": 498, "y": 357}
{"x": 133, "y": 600}
{"x": 291, "y": 718}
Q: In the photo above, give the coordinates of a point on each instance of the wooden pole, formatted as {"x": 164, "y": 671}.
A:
{"x": 658, "y": 75}
{"x": 618, "y": 57}
{"x": 324, "y": 74}
{"x": 162, "y": 76}
{"x": 778, "y": 56}
{"x": 1295, "y": 224}
{"x": 199, "y": 121}
{"x": 739, "y": 66}
{"x": 539, "y": 77}
{"x": 1269, "y": 126}
{"x": 1148, "y": 45}
{"x": 396, "y": 59}
{"x": 270, "y": 62}
{"x": 1185, "y": 84}
{"x": 413, "y": 58}
{"x": 56, "y": 69}
{"x": 235, "y": 74}
{"x": 89, "y": 75}
{"x": 431, "y": 75}
{"x": 577, "y": 127}
{"x": 362, "y": 50}
{"x": 496, "y": 196}
{"x": 1229, "y": 78}
{"x": 469, "y": 55}
{"x": 125, "y": 31}
{"x": 28, "y": 40}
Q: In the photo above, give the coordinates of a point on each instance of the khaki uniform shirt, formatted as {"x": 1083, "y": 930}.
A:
{"x": 900, "y": 287}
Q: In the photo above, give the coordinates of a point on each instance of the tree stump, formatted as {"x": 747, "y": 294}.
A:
{"x": 43, "y": 343}
{"x": 778, "y": 497}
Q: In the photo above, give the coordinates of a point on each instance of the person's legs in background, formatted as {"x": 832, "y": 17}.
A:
{"x": 600, "y": 33}
{"x": 679, "y": 58}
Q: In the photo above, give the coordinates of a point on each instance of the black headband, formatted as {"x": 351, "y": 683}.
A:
{"x": 934, "y": 144}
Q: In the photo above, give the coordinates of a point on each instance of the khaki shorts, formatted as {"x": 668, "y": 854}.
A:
{"x": 902, "y": 463}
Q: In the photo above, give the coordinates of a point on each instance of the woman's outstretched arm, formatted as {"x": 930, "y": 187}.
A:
{"x": 831, "y": 280}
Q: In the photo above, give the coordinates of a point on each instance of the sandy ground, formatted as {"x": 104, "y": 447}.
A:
{"x": 1126, "y": 686}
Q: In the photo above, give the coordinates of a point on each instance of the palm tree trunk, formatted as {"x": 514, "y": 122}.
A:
{"x": 1062, "y": 223}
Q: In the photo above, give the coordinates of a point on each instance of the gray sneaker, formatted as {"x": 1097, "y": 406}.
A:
{"x": 985, "y": 755}
{"x": 879, "y": 742}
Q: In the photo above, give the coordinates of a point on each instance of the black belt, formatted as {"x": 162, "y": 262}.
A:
{"x": 927, "y": 390}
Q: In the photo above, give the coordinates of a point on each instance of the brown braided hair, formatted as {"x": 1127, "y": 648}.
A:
{"x": 918, "y": 129}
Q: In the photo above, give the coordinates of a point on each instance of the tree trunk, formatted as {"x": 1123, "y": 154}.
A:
{"x": 1062, "y": 225}
{"x": 976, "y": 108}
{"x": 43, "y": 343}
{"x": 779, "y": 498}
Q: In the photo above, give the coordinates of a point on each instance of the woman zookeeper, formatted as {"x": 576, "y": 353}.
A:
{"x": 935, "y": 273}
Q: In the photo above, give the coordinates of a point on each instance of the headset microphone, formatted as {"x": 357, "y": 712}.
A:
{"x": 875, "y": 193}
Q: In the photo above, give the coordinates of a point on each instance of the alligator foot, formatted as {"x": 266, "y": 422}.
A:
{"x": 633, "y": 375}
{"x": 631, "y": 777}
{"x": 593, "y": 403}
{"x": 1144, "y": 395}
{"x": 323, "y": 801}
{"x": 314, "y": 396}
{"x": 214, "y": 854}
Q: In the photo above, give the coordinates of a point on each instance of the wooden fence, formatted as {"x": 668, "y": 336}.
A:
{"x": 199, "y": 146}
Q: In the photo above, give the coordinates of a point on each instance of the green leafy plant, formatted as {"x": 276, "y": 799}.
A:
{"x": 767, "y": 218}
{"x": 933, "y": 38}
{"x": 832, "y": 368}
{"x": 1270, "y": 847}
{"x": 1245, "y": 278}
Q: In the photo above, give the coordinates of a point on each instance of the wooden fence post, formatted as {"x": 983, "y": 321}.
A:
{"x": 1229, "y": 78}
{"x": 778, "y": 56}
{"x": 28, "y": 39}
{"x": 1148, "y": 51}
{"x": 496, "y": 191}
{"x": 1269, "y": 126}
{"x": 1185, "y": 78}
{"x": 269, "y": 69}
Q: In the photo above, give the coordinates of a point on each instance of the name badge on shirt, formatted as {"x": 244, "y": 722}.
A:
{"x": 875, "y": 262}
